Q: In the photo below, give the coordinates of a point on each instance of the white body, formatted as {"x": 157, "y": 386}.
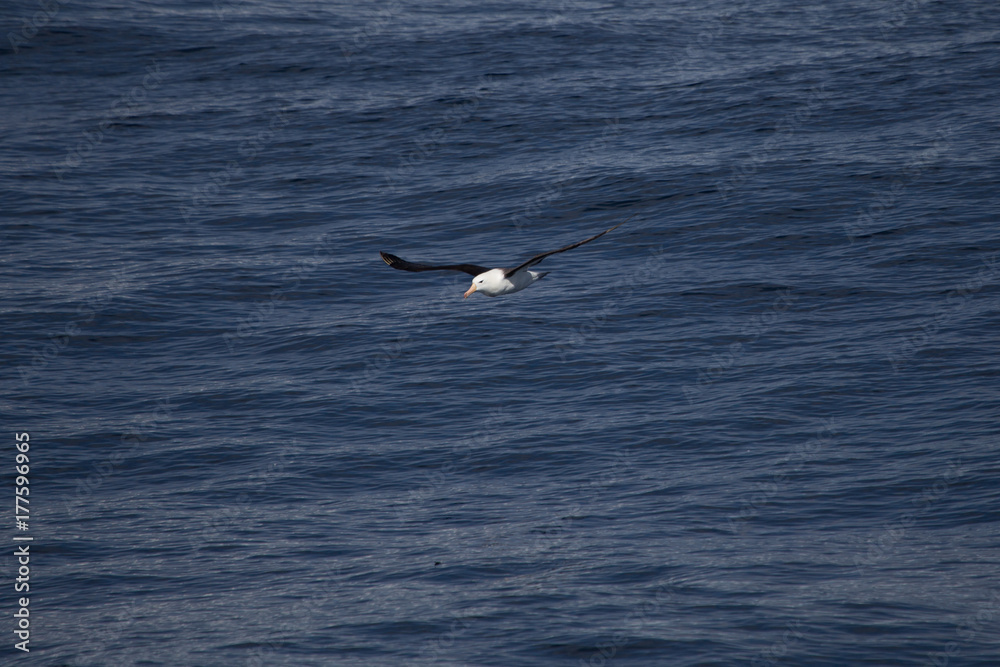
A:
{"x": 492, "y": 282}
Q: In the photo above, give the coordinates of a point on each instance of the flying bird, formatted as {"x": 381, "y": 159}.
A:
{"x": 494, "y": 282}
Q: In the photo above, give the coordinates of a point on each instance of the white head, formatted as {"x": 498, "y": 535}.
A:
{"x": 490, "y": 283}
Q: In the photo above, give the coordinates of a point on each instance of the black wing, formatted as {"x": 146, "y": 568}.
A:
{"x": 507, "y": 273}
{"x": 403, "y": 265}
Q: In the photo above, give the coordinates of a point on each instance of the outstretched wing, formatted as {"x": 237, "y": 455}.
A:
{"x": 403, "y": 265}
{"x": 537, "y": 258}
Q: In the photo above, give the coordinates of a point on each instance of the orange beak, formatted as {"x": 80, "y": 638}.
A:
{"x": 470, "y": 291}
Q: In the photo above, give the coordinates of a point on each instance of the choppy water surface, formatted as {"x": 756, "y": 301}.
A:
{"x": 755, "y": 425}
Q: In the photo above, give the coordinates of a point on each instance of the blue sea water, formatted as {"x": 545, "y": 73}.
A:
{"x": 757, "y": 424}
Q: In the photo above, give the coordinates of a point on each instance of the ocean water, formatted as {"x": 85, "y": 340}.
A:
{"x": 757, "y": 424}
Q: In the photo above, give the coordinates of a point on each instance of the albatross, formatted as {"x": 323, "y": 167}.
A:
{"x": 494, "y": 282}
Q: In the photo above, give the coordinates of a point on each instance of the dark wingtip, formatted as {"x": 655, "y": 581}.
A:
{"x": 624, "y": 221}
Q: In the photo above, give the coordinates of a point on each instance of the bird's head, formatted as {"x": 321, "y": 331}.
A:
{"x": 489, "y": 283}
